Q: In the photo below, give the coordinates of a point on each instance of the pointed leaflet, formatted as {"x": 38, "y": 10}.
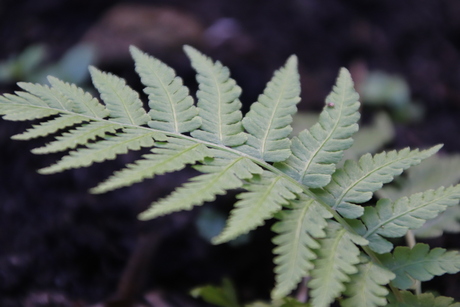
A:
{"x": 264, "y": 197}
{"x": 123, "y": 103}
{"x": 130, "y": 139}
{"x": 218, "y": 103}
{"x": 79, "y": 136}
{"x": 166, "y": 157}
{"x": 268, "y": 121}
{"x": 49, "y": 127}
{"x": 24, "y": 106}
{"x": 315, "y": 152}
{"x": 419, "y": 263}
{"x": 221, "y": 175}
{"x": 50, "y": 96}
{"x": 356, "y": 181}
{"x": 337, "y": 259}
{"x": 171, "y": 105}
{"x": 422, "y": 300}
{"x": 366, "y": 288}
{"x": 297, "y": 231}
{"x": 82, "y": 102}
{"x": 392, "y": 220}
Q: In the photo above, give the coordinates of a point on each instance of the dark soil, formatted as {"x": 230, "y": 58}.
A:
{"x": 61, "y": 246}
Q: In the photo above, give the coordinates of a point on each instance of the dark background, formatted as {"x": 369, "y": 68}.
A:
{"x": 61, "y": 246}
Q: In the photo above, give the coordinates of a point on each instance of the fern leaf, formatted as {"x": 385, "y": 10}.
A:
{"x": 50, "y": 96}
{"x": 218, "y": 103}
{"x": 50, "y": 126}
{"x": 130, "y": 139}
{"x": 171, "y": 105}
{"x": 337, "y": 259}
{"x": 419, "y": 263}
{"x": 167, "y": 157}
{"x": 392, "y": 220}
{"x": 79, "y": 136}
{"x": 268, "y": 121}
{"x": 264, "y": 198}
{"x": 297, "y": 231}
{"x": 221, "y": 175}
{"x": 123, "y": 103}
{"x": 82, "y": 102}
{"x": 316, "y": 151}
{"x": 366, "y": 288}
{"x": 422, "y": 300}
{"x": 24, "y": 106}
{"x": 356, "y": 181}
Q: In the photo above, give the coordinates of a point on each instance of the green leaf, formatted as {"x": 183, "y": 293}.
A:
{"x": 166, "y": 157}
{"x": 171, "y": 105}
{"x": 108, "y": 149}
{"x": 420, "y": 263}
{"x": 24, "y": 106}
{"x": 49, "y": 127}
{"x": 218, "y": 103}
{"x": 221, "y": 175}
{"x": 392, "y": 220}
{"x": 298, "y": 231}
{"x": 356, "y": 181}
{"x": 268, "y": 121}
{"x": 82, "y": 102}
{"x": 50, "y": 96}
{"x": 123, "y": 103}
{"x": 315, "y": 152}
{"x": 224, "y": 296}
{"x": 264, "y": 198}
{"x": 337, "y": 259}
{"x": 422, "y": 300}
{"x": 366, "y": 287}
{"x": 80, "y": 136}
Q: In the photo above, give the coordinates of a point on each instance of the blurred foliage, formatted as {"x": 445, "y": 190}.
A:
{"x": 31, "y": 65}
{"x": 379, "y": 89}
{"x": 225, "y": 296}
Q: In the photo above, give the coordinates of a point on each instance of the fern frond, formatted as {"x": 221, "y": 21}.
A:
{"x": 392, "y": 220}
{"x": 24, "y": 106}
{"x": 49, "y": 127}
{"x": 265, "y": 197}
{"x": 419, "y": 263}
{"x": 316, "y": 151}
{"x": 218, "y": 103}
{"x": 167, "y": 157}
{"x": 366, "y": 288}
{"x": 220, "y": 175}
{"x": 337, "y": 259}
{"x": 268, "y": 121}
{"x": 356, "y": 181}
{"x": 422, "y": 300}
{"x": 82, "y": 102}
{"x": 298, "y": 231}
{"x": 171, "y": 106}
{"x": 80, "y": 136}
{"x": 130, "y": 139}
{"x": 123, "y": 103}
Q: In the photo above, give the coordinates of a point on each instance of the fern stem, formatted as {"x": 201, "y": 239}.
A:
{"x": 410, "y": 240}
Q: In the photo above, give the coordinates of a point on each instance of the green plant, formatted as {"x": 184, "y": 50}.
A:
{"x": 323, "y": 231}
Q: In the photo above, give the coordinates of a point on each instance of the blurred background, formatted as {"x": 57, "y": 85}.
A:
{"x": 61, "y": 246}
